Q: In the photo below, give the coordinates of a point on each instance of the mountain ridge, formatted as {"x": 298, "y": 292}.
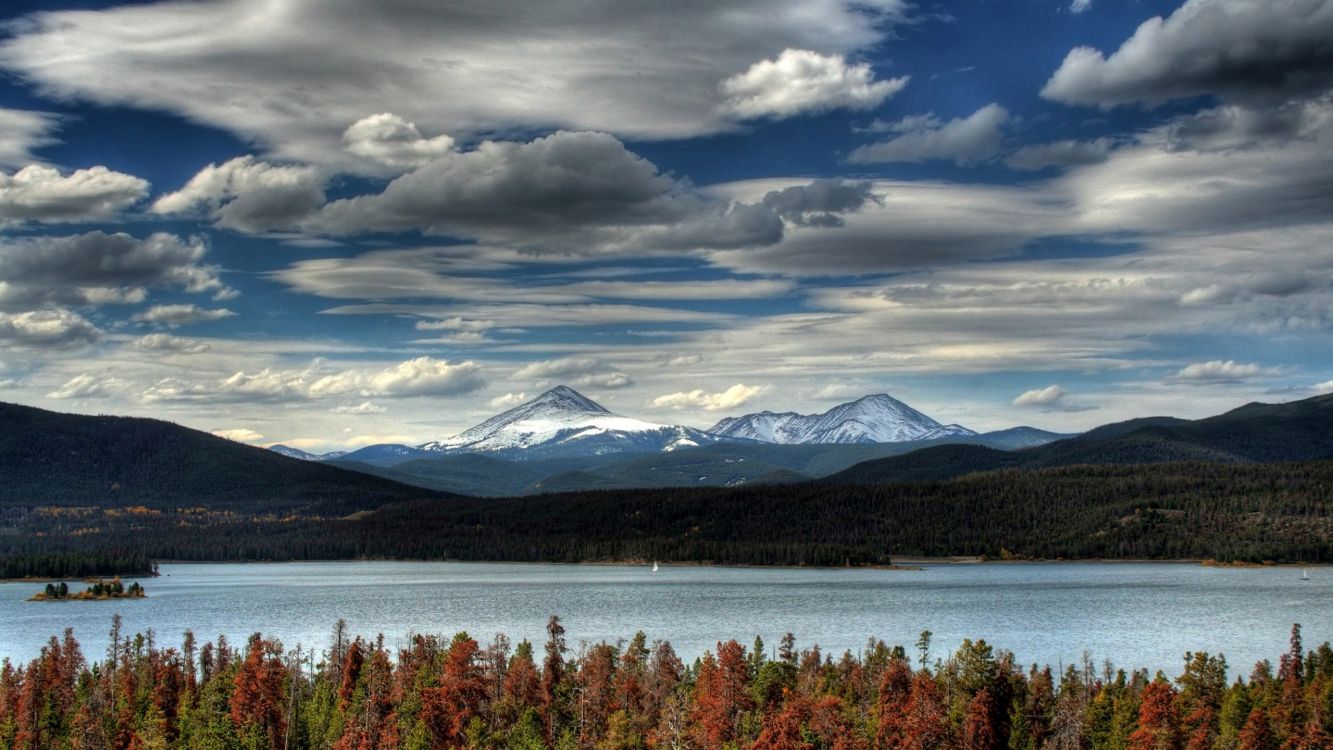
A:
{"x": 877, "y": 418}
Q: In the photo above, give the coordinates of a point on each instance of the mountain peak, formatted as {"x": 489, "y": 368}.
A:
{"x": 564, "y": 398}
{"x": 563, "y": 421}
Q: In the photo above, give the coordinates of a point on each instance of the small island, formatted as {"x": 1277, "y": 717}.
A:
{"x": 99, "y": 589}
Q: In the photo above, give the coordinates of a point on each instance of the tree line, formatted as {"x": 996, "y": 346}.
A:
{"x": 433, "y": 692}
{"x": 1231, "y": 512}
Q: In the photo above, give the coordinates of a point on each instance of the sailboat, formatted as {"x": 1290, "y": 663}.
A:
{"x": 1305, "y": 574}
{"x": 654, "y": 566}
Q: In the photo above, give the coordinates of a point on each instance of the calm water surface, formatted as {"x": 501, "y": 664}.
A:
{"x": 1138, "y": 614}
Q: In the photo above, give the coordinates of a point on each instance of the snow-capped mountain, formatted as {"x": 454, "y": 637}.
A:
{"x": 872, "y": 419}
{"x": 563, "y": 422}
{"x": 291, "y": 452}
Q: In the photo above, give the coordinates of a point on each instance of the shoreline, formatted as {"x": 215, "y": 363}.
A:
{"x": 898, "y": 563}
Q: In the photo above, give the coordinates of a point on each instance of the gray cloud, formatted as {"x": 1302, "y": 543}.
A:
{"x": 512, "y": 190}
{"x": 1067, "y": 153}
{"x": 41, "y": 193}
{"x": 965, "y": 140}
{"x": 248, "y": 195}
{"x": 1237, "y": 49}
{"x": 819, "y": 203}
{"x": 1240, "y": 127}
{"x": 908, "y": 225}
{"x": 181, "y": 315}
{"x": 101, "y": 268}
{"x": 165, "y": 342}
{"x": 642, "y": 69}
{"x": 581, "y": 193}
{"x": 579, "y": 371}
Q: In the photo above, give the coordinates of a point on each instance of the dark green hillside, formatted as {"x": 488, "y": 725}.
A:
{"x": 52, "y": 459}
{"x": 1255, "y": 433}
{"x": 940, "y": 462}
{"x": 1251, "y": 512}
{"x": 464, "y": 474}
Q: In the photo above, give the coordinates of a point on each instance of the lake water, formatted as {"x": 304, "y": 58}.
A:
{"x": 1137, "y": 614}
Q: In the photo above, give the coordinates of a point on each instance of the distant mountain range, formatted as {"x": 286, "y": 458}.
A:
{"x": 563, "y": 423}
{"x": 48, "y": 458}
{"x": 1090, "y": 495}
{"x": 872, "y": 419}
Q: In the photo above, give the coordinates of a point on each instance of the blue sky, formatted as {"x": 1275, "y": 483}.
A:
{"x": 329, "y": 224}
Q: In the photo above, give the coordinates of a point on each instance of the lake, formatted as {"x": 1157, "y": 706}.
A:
{"x": 1137, "y": 614}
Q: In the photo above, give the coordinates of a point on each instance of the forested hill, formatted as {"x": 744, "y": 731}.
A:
{"x": 1250, "y": 512}
{"x": 1254, "y": 433}
{"x": 53, "y": 459}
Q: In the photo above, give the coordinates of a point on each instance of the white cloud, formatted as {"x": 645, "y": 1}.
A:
{"x": 240, "y": 435}
{"x": 248, "y": 195}
{"x": 607, "y": 380}
{"x": 86, "y": 385}
{"x": 562, "y": 367}
{"x": 422, "y": 376}
{"x": 1224, "y": 371}
{"x": 55, "y": 328}
{"x": 181, "y": 315}
{"x": 365, "y": 407}
{"x": 645, "y": 70}
{"x": 165, "y": 342}
{"x": 1079, "y": 6}
{"x": 1237, "y": 49}
{"x": 737, "y": 395}
{"x": 508, "y": 400}
{"x": 1324, "y": 387}
{"x": 1048, "y": 396}
{"x": 22, "y": 131}
{"x": 685, "y": 360}
{"x": 580, "y": 371}
{"x": 393, "y": 142}
{"x": 41, "y": 193}
{"x": 965, "y": 140}
{"x": 801, "y": 81}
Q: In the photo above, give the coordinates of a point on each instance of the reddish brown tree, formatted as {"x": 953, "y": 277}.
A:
{"x": 1255, "y": 734}
{"x": 831, "y": 726}
{"x": 782, "y": 729}
{"x": 1158, "y": 728}
{"x": 926, "y": 725}
{"x": 353, "y": 658}
{"x": 446, "y": 710}
{"x": 257, "y": 701}
{"x": 978, "y": 727}
{"x": 895, "y": 689}
{"x": 596, "y": 692}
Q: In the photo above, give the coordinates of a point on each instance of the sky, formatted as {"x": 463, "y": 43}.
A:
{"x": 329, "y": 223}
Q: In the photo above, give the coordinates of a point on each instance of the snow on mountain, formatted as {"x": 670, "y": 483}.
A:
{"x": 564, "y": 422}
{"x": 291, "y": 452}
{"x": 872, "y": 419}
